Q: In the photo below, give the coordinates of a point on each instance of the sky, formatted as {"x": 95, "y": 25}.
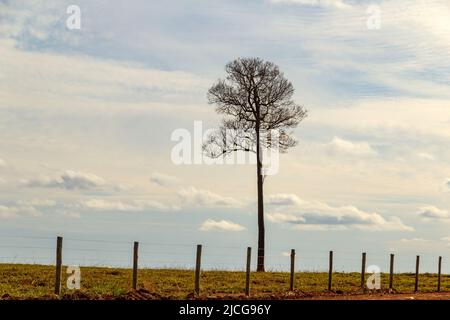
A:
{"x": 87, "y": 116}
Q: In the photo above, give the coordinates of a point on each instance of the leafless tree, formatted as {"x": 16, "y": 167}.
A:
{"x": 255, "y": 97}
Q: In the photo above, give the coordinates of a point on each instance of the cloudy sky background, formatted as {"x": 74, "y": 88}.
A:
{"x": 86, "y": 118}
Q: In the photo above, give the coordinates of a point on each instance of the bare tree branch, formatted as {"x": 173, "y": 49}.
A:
{"x": 254, "y": 91}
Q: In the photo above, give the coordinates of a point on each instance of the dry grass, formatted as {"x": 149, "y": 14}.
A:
{"x": 34, "y": 281}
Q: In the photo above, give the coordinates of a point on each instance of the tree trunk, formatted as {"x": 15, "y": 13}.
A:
{"x": 261, "y": 231}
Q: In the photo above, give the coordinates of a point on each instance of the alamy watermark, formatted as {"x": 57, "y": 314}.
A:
{"x": 374, "y": 19}
{"x": 231, "y": 147}
{"x": 73, "y": 22}
{"x": 374, "y": 281}
{"x": 74, "y": 278}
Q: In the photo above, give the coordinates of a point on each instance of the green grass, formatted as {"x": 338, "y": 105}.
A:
{"x": 33, "y": 281}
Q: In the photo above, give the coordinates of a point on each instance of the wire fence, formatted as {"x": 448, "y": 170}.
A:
{"x": 156, "y": 255}
{"x": 110, "y": 253}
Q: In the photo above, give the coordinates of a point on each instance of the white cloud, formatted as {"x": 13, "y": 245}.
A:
{"x": 414, "y": 244}
{"x": 413, "y": 240}
{"x": 18, "y": 211}
{"x": 341, "y": 146}
{"x": 400, "y": 19}
{"x": 400, "y": 115}
{"x": 86, "y": 81}
{"x": 101, "y": 204}
{"x": 285, "y": 199}
{"x": 163, "y": 180}
{"x": 34, "y": 18}
{"x": 2, "y": 163}
{"x": 37, "y": 203}
{"x": 410, "y": 116}
{"x": 71, "y": 215}
{"x": 425, "y": 156}
{"x": 222, "y": 225}
{"x": 432, "y": 212}
{"x": 125, "y": 206}
{"x": 278, "y": 217}
{"x": 205, "y": 198}
{"x": 69, "y": 180}
{"x": 321, "y": 3}
{"x": 301, "y": 214}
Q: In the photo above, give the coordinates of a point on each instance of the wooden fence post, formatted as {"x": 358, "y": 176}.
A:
{"x": 59, "y": 242}
{"x": 291, "y": 282}
{"x": 391, "y": 271}
{"x": 197, "y": 269}
{"x": 330, "y": 271}
{"x": 363, "y": 271}
{"x": 416, "y": 283}
{"x": 247, "y": 271}
{"x": 135, "y": 264}
{"x": 439, "y": 273}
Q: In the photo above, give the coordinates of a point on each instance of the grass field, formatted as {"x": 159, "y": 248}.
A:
{"x": 37, "y": 281}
